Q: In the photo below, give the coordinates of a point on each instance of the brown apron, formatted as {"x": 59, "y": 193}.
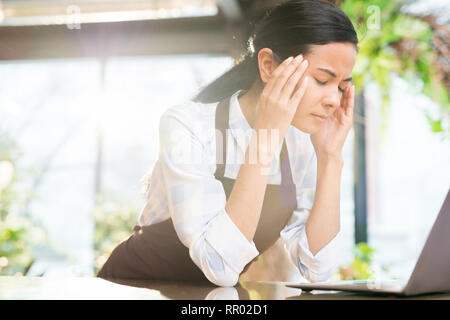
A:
{"x": 155, "y": 251}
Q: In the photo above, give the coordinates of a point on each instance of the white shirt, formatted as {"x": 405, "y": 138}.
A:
{"x": 182, "y": 186}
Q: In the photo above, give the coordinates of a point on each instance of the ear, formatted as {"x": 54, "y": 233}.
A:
{"x": 266, "y": 64}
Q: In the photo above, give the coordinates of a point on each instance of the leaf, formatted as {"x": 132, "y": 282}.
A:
{"x": 416, "y": 60}
{"x": 436, "y": 125}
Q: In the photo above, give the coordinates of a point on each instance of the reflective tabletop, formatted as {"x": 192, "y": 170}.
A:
{"x": 90, "y": 288}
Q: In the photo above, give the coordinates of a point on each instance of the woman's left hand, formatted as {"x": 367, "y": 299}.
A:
{"x": 329, "y": 140}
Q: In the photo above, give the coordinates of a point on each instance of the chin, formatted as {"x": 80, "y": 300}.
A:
{"x": 306, "y": 127}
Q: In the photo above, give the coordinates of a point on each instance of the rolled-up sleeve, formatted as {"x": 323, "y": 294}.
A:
{"x": 197, "y": 202}
{"x": 314, "y": 268}
{"x": 320, "y": 266}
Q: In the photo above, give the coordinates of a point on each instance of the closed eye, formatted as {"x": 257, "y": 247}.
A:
{"x": 322, "y": 83}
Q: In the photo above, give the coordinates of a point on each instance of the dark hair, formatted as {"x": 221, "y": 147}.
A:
{"x": 287, "y": 29}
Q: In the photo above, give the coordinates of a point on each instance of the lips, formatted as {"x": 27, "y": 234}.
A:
{"x": 319, "y": 116}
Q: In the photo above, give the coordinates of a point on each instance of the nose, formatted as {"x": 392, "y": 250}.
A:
{"x": 332, "y": 100}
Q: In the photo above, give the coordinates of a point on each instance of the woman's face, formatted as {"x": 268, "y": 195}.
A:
{"x": 329, "y": 71}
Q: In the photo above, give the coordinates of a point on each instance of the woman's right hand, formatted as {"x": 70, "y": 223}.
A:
{"x": 279, "y": 99}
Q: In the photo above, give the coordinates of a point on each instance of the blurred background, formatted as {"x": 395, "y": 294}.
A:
{"x": 84, "y": 82}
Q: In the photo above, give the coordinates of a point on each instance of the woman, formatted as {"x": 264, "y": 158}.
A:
{"x": 215, "y": 204}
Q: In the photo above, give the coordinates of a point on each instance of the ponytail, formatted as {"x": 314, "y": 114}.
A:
{"x": 241, "y": 76}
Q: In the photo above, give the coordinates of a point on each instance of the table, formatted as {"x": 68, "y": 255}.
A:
{"x": 91, "y": 288}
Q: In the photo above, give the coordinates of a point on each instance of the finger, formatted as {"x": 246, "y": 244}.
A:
{"x": 343, "y": 102}
{"x": 349, "y": 102}
{"x": 299, "y": 93}
{"x": 283, "y": 77}
{"x": 269, "y": 85}
{"x": 292, "y": 82}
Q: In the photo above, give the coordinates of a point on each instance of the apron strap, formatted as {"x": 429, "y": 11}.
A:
{"x": 222, "y": 116}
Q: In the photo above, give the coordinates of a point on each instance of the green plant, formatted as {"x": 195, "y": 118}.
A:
{"x": 113, "y": 223}
{"x": 19, "y": 234}
{"x": 361, "y": 267}
{"x": 394, "y": 42}
{"x": 18, "y": 238}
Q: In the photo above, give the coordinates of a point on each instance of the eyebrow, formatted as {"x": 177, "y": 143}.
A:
{"x": 331, "y": 73}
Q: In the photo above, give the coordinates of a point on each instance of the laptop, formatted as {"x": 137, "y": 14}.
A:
{"x": 431, "y": 273}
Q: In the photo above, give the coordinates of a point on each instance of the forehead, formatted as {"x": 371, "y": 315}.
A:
{"x": 338, "y": 57}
